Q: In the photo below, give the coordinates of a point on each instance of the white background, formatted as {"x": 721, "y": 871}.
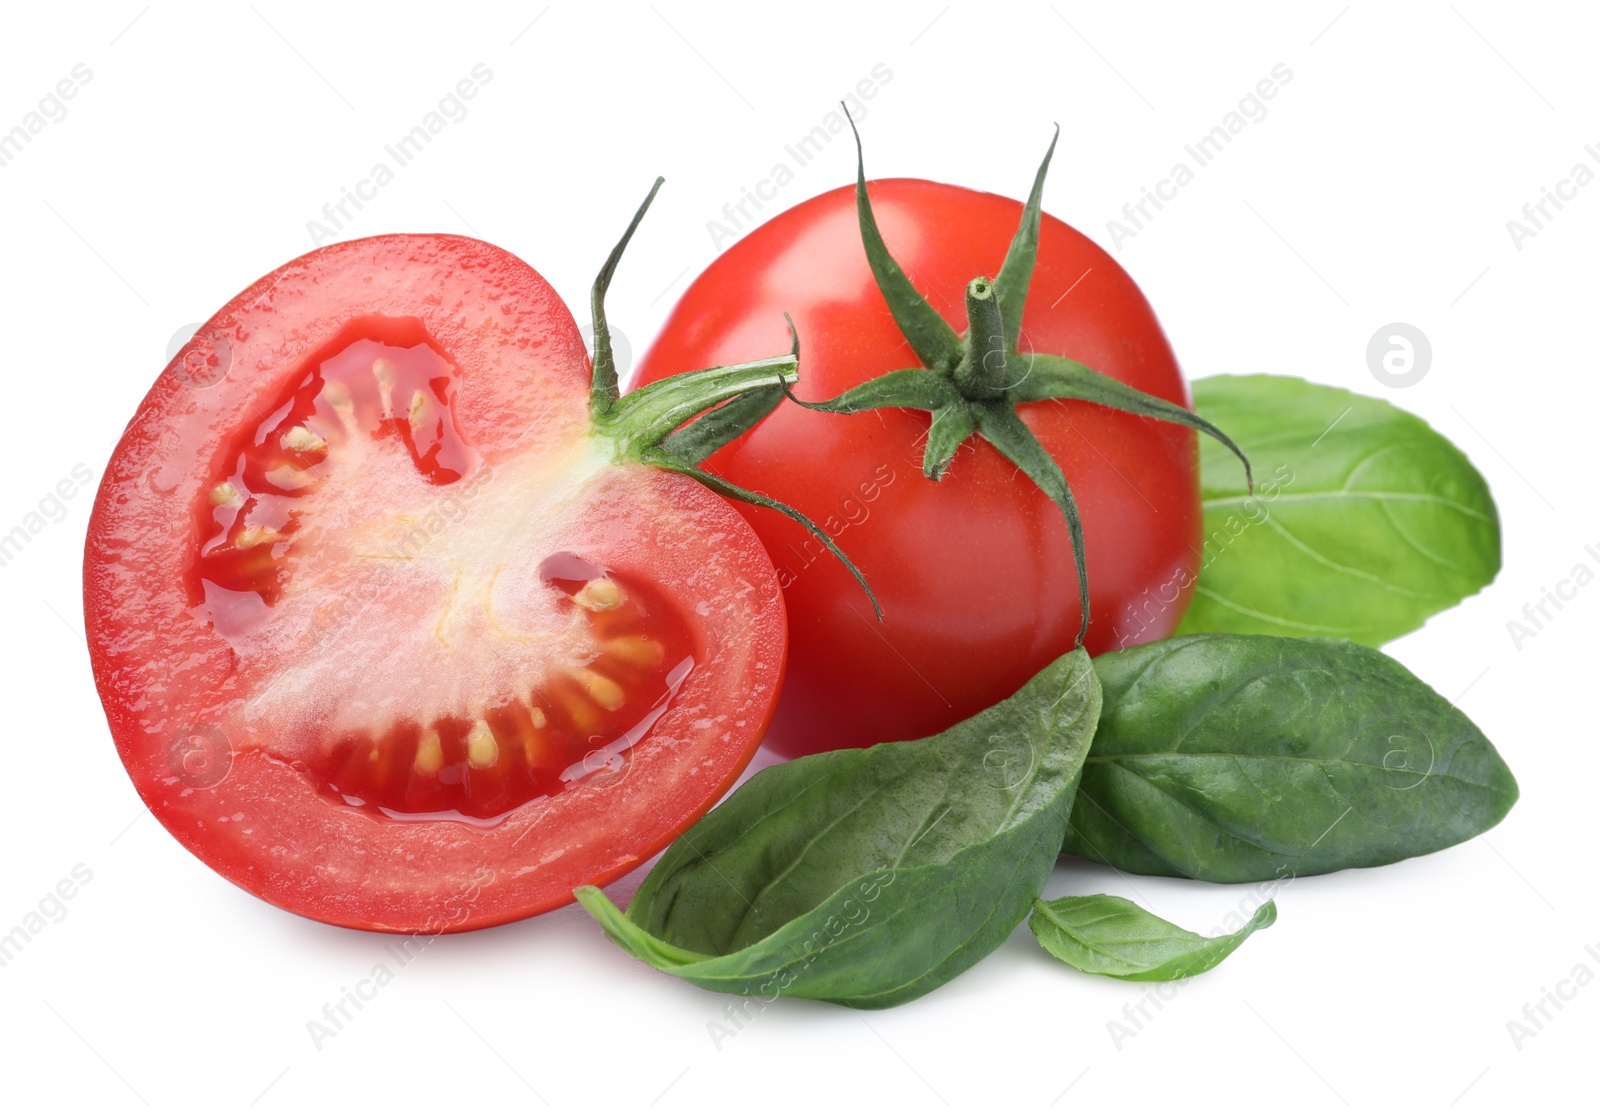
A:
{"x": 1376, "y": 190}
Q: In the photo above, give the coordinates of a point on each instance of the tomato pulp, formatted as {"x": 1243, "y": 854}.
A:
{"x": 975, "y": 572}
{"x": 388, "y": 629}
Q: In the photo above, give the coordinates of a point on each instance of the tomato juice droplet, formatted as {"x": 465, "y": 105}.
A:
{"x": 568, "y": 568}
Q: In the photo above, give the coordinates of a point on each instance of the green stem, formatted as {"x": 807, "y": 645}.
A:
{"x": 981, "y": 374}
{"x": 647, "y": 424}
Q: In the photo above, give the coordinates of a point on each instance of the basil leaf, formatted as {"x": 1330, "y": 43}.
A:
{"x": 1363, "y": 524}
{"x": 1115, "y": 937}
{"x": 869, "y": 877}
{"x": 1229, "y": 757}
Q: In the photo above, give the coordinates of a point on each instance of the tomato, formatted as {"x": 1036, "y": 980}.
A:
{"x": 975, "y": 573}
{"x": 395, "y": 628}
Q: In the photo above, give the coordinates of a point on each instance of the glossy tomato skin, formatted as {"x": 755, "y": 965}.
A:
{"x": 975, "y": 573}
{"x": 184, "y": 699}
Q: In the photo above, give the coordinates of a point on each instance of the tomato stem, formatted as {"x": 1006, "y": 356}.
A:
{"x": 647, "y": 425}
{"x": 981, "y": 374}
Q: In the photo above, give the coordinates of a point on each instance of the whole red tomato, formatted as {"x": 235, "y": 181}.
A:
{"x": 975, "y": 573}
{"x": 398, "y": 623}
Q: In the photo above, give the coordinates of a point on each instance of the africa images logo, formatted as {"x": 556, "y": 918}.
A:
{"x": 451, "y": 109}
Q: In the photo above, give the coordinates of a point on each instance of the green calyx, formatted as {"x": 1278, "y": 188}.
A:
{"x": 973, "y": 385}
{"x": 672, "y": 423}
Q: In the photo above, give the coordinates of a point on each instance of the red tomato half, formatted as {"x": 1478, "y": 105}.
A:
{"x": 974, "y": 573}
{"x": 386, "y": 632}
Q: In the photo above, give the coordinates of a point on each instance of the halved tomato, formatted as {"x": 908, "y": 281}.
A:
{"x": 394, "y": 626}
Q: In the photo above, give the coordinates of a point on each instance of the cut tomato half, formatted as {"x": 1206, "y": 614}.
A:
{"x": 390, "y": 628}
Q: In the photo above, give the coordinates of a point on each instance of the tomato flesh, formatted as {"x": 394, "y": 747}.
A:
{"x": 372, "y": 385}
{"x": 386, "y": 632}
{"x": 248, "y": 516}
{"x": 533, "y": 745}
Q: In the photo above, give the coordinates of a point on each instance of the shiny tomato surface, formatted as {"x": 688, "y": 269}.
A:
{"x": 975, "y": 573}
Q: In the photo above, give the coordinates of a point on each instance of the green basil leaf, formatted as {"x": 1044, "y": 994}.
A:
{"x": 1364, "y": 521}
{"x": 869, "y": 877}
{"x": 1229, "y": 757}
{"x": 1115, "y": 937}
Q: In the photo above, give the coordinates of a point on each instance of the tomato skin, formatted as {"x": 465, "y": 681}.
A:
{"x": 256, "y": 816}
{"x": 975, "y": 573}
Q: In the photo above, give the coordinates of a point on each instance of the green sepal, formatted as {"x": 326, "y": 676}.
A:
{"x": 934, "y": 341}
{"x": 912, "y": 388}
{"x": 1011, "y": 284}
{"x": 1054, "y": 377}
{"x": 660, "y": 458}
{"x": 716, "y": 428}
{"x": 603, "y": 389}
{"x": 696, "y": 441}
{"x": 951, "y": 426}
{"x": 1000, "y": 426}
{"x": 648, "y": 416}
